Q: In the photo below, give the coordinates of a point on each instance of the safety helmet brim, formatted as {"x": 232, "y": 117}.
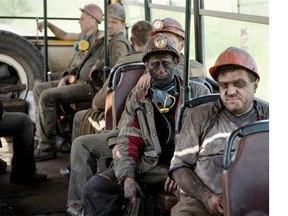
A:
{"x": 159, "y": 43}
{"x": 234, "y": 56}
{"x": 93, "y": 11}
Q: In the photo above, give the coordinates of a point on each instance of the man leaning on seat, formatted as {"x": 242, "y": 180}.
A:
{"x": 197, "y": 164}
{"x": 87, "y": 149}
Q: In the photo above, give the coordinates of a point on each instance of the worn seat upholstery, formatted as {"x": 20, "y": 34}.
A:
{"x": 246, "y": 178}
{"x": 123, "y": 78}
{"x": 192, "y": 103}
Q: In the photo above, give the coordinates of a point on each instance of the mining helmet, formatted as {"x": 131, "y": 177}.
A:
{"x": 159, "y": 43}
{"x": 117, "y": 11}
{"x": 168, "y": 25}
{"x": 234, "y": 56}
{"x": 93, "y": 11}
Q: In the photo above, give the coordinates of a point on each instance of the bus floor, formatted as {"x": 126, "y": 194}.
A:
{"x": 41, "y": 199}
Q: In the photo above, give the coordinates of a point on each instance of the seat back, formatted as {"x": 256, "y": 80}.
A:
{"x": 246, "y": 179}
{"x": 123, "y": 78}
{"x": 203, "y": 81}
{"x": 192, "y": 103}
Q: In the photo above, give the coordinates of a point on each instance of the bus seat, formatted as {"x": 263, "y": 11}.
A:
{"x": 123, "y": 78}
{"x": 213, "y": 84}
{"x": 192, "y": 103}
{"x": 164, "y": 202}
{"x": 203, "y": 81}
{"x": 245, "y": 180}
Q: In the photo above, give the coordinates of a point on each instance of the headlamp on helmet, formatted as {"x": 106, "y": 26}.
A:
{"x": 158, "y": 25}
{"x": 168, "y": 25}
{"x": 159, "y": 43}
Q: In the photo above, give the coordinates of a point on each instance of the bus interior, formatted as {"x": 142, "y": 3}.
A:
{"x": 210, "y": 27}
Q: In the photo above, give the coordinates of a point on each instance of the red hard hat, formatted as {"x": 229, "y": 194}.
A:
{"x": 94, "y": 11}
{"x": 168, "y": 25}
{"x": 159, "y": 43}
{"x": 234, "y": 56}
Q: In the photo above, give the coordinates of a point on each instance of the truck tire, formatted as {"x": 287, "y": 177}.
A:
{"x": 20, "y": 62}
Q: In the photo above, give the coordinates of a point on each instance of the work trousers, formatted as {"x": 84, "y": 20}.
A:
{"x": 189, "y": 206}
{"x": 20, "y": 127}
{"x": 106, "y": 197}
{"x": 86, "y": 151}
{"x": 77, "y": 123}
{"x": 48, "y": 97}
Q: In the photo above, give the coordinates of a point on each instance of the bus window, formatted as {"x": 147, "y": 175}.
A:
{"x": 239, "y": 23}
{"x": 21, "y": 16}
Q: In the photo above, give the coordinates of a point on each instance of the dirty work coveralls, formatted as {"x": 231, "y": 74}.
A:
{"x": 20, "y": 126}
{"x": 48, "y": 97}
{"x": 86, "y": 149}
{"x": 201, "y": 145}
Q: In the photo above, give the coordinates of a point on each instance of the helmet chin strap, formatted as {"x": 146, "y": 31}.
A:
{"x": 164, "y": 98}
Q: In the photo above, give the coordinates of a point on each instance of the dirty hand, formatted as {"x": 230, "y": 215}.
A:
{"x": 143, "y": 81}
{"x": 93, "y": 69}
{"x": 114, "y": 151}
{"x": 63, "y": 81}
{"x": 40, "y": 26}
{"x": 214, "y": 205}
{"x": 170, "y": 185}
{"x": 131, "y": 189}
{"x": 68, "y": 79}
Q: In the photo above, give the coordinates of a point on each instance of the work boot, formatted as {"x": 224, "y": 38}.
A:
{"x": 65, "y": 171}
{"x": 22, "y": 179}
{"x": 40, "y": 155}
{"x": 62, "y": 144}
{"x": 76, "y": 209}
